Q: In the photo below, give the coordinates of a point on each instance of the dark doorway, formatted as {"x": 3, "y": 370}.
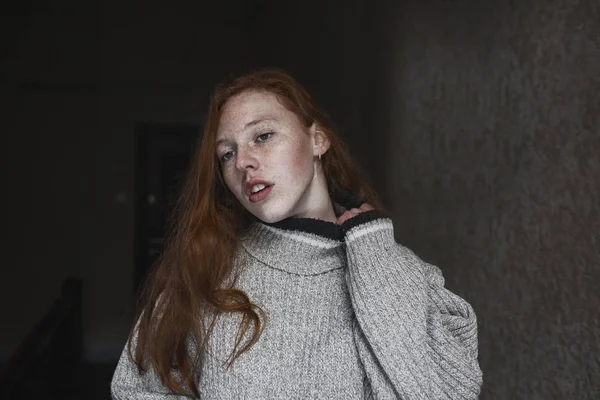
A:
{"x": 163, "y": 154}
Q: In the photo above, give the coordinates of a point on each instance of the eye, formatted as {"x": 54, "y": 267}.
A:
{"x": 227, "y": 156}
{"x": 264, "y": 137}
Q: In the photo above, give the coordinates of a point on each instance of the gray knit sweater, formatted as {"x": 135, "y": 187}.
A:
{"x": 351, "y": 315}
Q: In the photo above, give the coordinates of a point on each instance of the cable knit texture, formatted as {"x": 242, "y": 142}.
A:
{"x": 351, "y": 315}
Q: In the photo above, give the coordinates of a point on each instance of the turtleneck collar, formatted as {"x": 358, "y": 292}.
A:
{"x": 305, "y": 246}
{"x": 301, "y": 246}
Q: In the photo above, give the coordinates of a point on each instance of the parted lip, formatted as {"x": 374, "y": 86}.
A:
{"x": 252, "y": 182}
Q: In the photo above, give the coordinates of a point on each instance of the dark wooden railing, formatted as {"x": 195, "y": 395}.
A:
{"x": 47, "y": 362}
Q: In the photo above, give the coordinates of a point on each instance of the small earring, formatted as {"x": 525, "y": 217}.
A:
{"x": 317, "y": 168}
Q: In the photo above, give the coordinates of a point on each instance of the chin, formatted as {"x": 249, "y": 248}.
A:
{"x": 271, "y": 216}
{"x": 269, "y": 219}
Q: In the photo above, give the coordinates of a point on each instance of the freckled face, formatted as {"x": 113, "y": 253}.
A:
{"x": 258, "y": 138}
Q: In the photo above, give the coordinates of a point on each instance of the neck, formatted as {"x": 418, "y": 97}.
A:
{"x": 318, "y": 201}
{"x": 325, "y": 213}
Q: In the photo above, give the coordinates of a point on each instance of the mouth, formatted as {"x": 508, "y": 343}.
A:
{"x": 257, "y": 189}
{"x": 261, "y": 194}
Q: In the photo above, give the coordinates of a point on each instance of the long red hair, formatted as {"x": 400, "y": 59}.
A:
{"x": 186, "y": 287}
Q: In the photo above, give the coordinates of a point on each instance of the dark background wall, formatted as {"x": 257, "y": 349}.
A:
{"x": 495, "y": 176}
{"x": 78, "y": 82}
{"x": 476, "y": 121}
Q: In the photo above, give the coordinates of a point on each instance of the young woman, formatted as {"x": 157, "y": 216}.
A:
{"x": 282, "y": 278}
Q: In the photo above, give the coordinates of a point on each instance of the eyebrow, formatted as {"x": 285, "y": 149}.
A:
{"x": 258, "y": 121}
{"x": 248, "y": 125}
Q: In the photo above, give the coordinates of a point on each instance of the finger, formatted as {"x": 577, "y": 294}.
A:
{"x": 366, "y": 207}
{"x": 345, "y": 216}
{"x": 341, "y": 219}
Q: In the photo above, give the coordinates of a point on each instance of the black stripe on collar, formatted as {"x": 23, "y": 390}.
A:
{"x": 319, "y": 227}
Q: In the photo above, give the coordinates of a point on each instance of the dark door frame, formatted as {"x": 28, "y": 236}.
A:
{"x": 155, "y": 142}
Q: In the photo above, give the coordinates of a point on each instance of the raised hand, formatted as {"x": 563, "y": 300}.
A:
{"x": 353, "y": 212}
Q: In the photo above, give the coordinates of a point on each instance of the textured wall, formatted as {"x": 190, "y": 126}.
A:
{"x": 496, "y": 177}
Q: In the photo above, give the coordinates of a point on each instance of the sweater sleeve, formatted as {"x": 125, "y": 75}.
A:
{"x": 416, "y": 339}
{"x": 127, "y": 383}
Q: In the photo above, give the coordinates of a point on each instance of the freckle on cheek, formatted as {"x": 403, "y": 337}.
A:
{"x": 299, "y": 162}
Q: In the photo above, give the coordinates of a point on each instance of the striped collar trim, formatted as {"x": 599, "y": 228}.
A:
{"x": 309, "y": 238}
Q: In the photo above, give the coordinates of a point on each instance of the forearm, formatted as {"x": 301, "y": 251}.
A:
{"x": 424, "y": 337}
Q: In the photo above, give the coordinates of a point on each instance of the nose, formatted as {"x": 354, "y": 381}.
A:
{"x": 245, "y": 160}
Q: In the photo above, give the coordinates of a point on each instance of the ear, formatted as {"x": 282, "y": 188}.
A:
{"x": 320, "y": 141}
